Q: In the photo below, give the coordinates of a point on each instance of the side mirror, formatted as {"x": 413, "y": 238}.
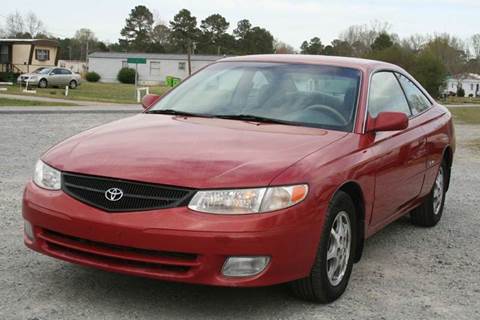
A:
{"x": 387, "y": 121}
{"x": 149, "y": 99}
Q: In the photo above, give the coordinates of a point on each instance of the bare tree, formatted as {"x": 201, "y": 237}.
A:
{"x": 160, "y": 34}
{"x": 450, "y": 50}
{"x": 14, "y": 24}
{"x": 85, "y": 36}
{"x": 365, "y": 34}
{"x": 476, "y": 45}
{"x": 282, "y": 47}
{"x": 415, "y": 42}
{"x": 34, "y": 25}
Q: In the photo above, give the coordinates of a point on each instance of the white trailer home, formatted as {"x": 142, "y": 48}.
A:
{"x": 470, "y": 82}
{"x": 154, "y": 71}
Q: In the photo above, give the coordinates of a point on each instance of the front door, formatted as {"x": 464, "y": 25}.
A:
{"x": 55, "y": 77}
{"x": 400, "y": 155}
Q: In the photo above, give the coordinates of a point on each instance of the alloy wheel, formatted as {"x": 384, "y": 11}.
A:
{"x": 339, "y": 244}
{"x": 438, "y": 193}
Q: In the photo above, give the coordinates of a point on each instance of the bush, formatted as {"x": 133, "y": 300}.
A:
{"x": 460, "y": 92}
{"x": 92, "y": 76}
{"x": 126, "y": 75}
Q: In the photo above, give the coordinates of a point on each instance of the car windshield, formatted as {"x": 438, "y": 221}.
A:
{"x": 45, "y": 71}
{"x": 297, "y": 94}
{"x": 38, "y": 70}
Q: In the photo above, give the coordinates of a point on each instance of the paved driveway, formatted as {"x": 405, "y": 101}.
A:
{"x": 406, "y": 272}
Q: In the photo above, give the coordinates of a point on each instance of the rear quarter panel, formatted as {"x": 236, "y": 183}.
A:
{"x": 440, "y": 134}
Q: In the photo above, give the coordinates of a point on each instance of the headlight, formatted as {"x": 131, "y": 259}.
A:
{"x": 46, "y": 177}
{"x": 245, "y": 201}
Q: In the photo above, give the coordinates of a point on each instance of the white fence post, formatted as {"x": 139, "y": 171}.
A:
{"x": 139, "y": 93}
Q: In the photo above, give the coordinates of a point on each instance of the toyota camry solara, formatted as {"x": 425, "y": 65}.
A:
{"x": 257, "y": 170}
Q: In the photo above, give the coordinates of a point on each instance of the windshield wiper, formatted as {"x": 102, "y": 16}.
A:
{"x": 179, "y": 113}
{"x": 253, "y": 118}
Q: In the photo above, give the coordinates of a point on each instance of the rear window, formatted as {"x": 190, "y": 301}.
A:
{"x": 417, "y": 100}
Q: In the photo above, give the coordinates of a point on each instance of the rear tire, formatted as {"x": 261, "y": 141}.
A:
{"x": 73, "y": 84}
{"x": 429, "y": 213}
{"x": 43, "y": 84}
{"x": 333, "y": 263}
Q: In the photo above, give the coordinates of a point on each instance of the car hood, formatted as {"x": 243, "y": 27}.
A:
{"x": 189, "y": 152}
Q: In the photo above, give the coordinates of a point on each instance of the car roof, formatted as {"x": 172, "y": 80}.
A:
{"x": 347, "y": 62}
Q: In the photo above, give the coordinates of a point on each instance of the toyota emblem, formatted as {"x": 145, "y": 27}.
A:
{"x": 114, "y": 194}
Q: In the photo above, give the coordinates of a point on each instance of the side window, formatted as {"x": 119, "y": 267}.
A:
{"x": 386, "y": 95}
{"x": 42, "y": 54}
{"x": 66, "y": 72}
{"x": 418, "y": 101}
{"x": 57, "y": 71}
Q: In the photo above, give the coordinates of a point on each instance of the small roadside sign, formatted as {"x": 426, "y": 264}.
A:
{"x": 137, "y": 60}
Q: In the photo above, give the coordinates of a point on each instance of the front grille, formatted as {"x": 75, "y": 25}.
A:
{"x": 151, "y": 261}
{"x": 137, "y": 196}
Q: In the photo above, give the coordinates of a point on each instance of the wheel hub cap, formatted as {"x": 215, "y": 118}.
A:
{"x": 438, "y": 192}
{"x": 338, "y": 252}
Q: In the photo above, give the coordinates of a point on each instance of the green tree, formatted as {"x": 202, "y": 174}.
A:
{"x": 160, "y": 39}
{"x": 183, "y": 33}
{"x": 450, "y": 51}
{"x": 396, "y": 55}
{"x": 138, "y": 28}
{"x": 382, "y": 42}
{"x": 430, "y": 72}
{"x": 214, "y": 29}
{"x": 243, "y": 27}
{"x": 252, "y": 40}
{"x": 341, "y": 48}
{"x": 315, "y": 46}
{"x": 259, "y": 41}
{"x": 304, "y": 47}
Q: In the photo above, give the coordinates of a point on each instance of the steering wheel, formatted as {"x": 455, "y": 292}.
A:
{"x": 335, "y": 113}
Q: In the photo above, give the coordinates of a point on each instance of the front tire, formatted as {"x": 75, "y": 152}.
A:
{"x": 43, "y": 83}
{"x": 429, "y": 213}
{"x": 333, "y": 263}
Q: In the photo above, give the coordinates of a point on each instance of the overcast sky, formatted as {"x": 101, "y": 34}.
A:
{"x": 291, "y": 21}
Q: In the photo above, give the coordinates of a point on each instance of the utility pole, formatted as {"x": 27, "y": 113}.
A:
{"x": 86, "y": 53}
{"x": 189, "y": 53}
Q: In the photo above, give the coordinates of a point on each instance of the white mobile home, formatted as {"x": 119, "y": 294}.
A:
{"x": 157, "y": 67}
{"x": 470, "y": 82}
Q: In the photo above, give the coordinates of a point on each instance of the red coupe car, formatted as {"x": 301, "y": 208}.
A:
{"x": 255, "y": 171}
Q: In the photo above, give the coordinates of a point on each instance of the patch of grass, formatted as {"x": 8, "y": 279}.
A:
{"x": 468, "y": 115}
{"x": 90, "y": 91}
{"x": 460, "y": 100}
{"x": 29, "y": 103}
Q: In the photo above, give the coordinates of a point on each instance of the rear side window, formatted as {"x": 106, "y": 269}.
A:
{"x": 65, "y": 71}
{"x": 417, "y": 100}
{"x": 386, "y": 95}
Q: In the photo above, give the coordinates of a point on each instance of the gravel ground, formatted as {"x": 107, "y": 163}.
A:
{"x": 406, "y": 272}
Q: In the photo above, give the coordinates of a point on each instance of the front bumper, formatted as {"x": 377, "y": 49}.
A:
{"x": 173, "y": 244}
